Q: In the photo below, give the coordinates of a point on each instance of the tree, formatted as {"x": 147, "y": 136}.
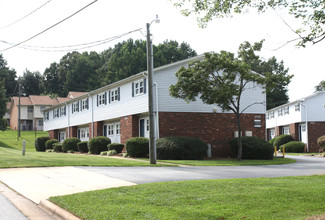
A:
{"x": 9, "y": 75}
{"x": 31, "y": 83}
{"x": 320, "y": 86}
{"x": 311, "y": 13}
{"x": 221, "y": 78}
{"x": 3, "y": 105}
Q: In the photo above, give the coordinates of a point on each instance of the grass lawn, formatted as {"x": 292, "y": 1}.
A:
{"x": 260, "y": 198}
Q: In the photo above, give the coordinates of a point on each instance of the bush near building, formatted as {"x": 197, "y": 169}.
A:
{"x": 321, "y": 142}
{"x": 116, "y": 146}
{"x": 137, "y": 147}
{"x": 98, "y": 144}
{"x": 70, "y": 144}
{"x": 282, "y": 139}
{"x": 57, "y": 147}
{"x": 293, "y": 147}
{"x": 49, "y": 143}
{"x": 40, "y": 143}
{"x": 253, "y": 148}
{"x": 83, "y": 147}
{"x": 181, "y": 148}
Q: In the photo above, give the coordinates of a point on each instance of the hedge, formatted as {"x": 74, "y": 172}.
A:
{"x": 49, "y": 143}
{"x": 253, "y": 148}
{"x": 321, "y": 142}
{"x": 57, "y": 147}
{"x": 98, "y": 144}
{"x": 116, "y": 146}
{"x": 282, "y": 139}
{"x": 294, "y": 147}
{"x": 40, "y": 143}
{"x": 137, "y": 147}
{"x": 181, "y": 148}
{"x": 70, "y": 144}
{"x": 83, "y": 147}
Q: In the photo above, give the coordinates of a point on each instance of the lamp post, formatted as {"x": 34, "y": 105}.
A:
{"x": 306, "y": 120}
{"x": 152, "y": 139}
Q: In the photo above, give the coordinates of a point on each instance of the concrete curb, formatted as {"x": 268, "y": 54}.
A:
{"x": 56, "y": 211}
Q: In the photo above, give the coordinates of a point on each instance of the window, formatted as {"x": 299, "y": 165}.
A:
{"x": 42, "y": 108}
{"x": 30, "y": 109}
{"x": 297, "y": 107}
{"x": 147, "y": 125}
{"x": 84, "y": 104}
{"x": 101, "y": 99}
{"x": 257, "y": 123}
{"x": 114, "y": 95}
{"x": 56, "y": 113}
{"x": 118, "y": 128}
{"x": 46, "y": 116}
{"x": 139, "y": 87}
{"x": 280, "y": 112}
{"x": 285, "y": 130}
{"x": 272, "y": 114}
{"x": 268, "y": 115}
{"x": 286, "y": 110}
{"x": 110, "y": 129}
{"x": 63, "y": 111}
{"x": 83, "y": 134}
{"x": 40, "y": 122}
{"x": 75, "y": 107}
{"x": 61, "y": 136}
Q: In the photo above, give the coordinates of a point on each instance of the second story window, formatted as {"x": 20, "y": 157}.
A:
{"x": 30, "y": 109}
{"x": 84, "y": 104}
{"x": 56, "y": 113}
{"x": 46, "y": 116}
{"x": 42, "y": 108}
{"x": 297, "y": 107}
{"x": 114, "y": 95}
{"x": 280, "y": 112}
{"x": 286, "y": 110}
{"x": 101, "y": 99}
{"x": 63, "y": 111}
{"x": 139, "y": 87}
{"x": 75, "y": 107}
{"x": 272, "y": 114}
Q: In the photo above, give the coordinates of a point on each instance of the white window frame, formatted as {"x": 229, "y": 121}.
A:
{"x": 257, "y": 123}
{"x": 63, "y": 111}
{"x": 114, "y": 95}
{"x": 46, "y": 116}
{"x": 30, "y": 109}
{"x": 272, "y": 114}
{"x": 42, "y": 108}
{"x": 297, "y": 107}
{"x": 56, "y": 113}
{"x": 280, "y": 112}
{"x": 138, "y": 87}
{"x": 84, "y": 104}
{"x": 286, "y": 110}
{"x": 40, "y": 122}
{"x": 118, "y": 129}
{"x": 285, "y": 130}
{"x": 75, "y": 107}
{"x": 62, "y": 136}
{"x": 101, "y": 99}
{"x": 110, "y": 130}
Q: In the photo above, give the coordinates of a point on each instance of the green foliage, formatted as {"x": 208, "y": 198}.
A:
{"x": 9, "y": 77}
{"x": 49, "y": 143}
{"x": 70, "y": 144}
{"x": 181, "y": 148}
{"x": 98, "y": 144}
{"x": 116, "y": 146}
{"x": 311, "y": 13}
{"x": 3, "y": 106}
{"x": 111, "y": 152}
{"x": 320, "y": 86}
{"x": 272, "y": 141}
{"x": 137, "y": 147}
{"x": 253, "y": 148}
{"x": 40, "y": 143}
{"x": 321, "y": 142}
{"x": 103, "y": 153}
{"x": 31, "y": 83}
{"x": 83, "y": 147}
{"x": 293, "y": 147}
{"x": 282, "y": 139}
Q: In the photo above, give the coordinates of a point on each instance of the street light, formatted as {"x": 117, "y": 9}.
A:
{"x": 152, "y": 139}
{"x": 306, "y": 120}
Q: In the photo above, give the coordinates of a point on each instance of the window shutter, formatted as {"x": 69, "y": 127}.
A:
{"x": 53, "y": 114}
{"x": 105, "y": 130}
{"x": 97, "y": 100}
{"x": 59, "y": 112}
{"x": 118, "y": 94}
{"x": 81, "y": 105}
{"x": 87, "y": 103}
{"x": 65, "y": 110}
{"x": 144, "y": 85}
{"x": 132, "y": 89}
{"x": 78, "y": 106}
{"x": 105, "y": 98}
{"x": 109, "y": 96}
{"x": 78, "y": 134}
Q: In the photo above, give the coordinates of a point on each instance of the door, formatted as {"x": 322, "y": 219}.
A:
{"x": 302, "y": 133}
{"x": 141, "y": 127}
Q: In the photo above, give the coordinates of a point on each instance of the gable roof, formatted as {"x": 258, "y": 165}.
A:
{"x": 73, "y": 94}
{"x": 23, "y": 100}
{"x": 62, "y": 99}
{"x": 42, "y": 100}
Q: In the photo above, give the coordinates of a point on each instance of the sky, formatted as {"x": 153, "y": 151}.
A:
{"x": 105, "y": 19}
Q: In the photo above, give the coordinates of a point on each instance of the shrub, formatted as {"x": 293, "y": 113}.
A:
{"x": 294, "y": 147}
{"x": 83, "y": 147}
{"x": 70, "y": 144}
{"x": 181, "y": 148}
{"x": 49, "y": 143}
{"x": 40, "y": 143}
{"x": 321, "y": 142}
{"x": 57, "y": 147}
{"x": 272, "y": 141}
{"x": 111, "y": 152}
{"x": 137, "y": 147}
{"x": 282, "y": 139}
{"x": 116, "y": 146}
{"x": 98, "y": 144}
{"x": 253, "y": 148}
{"x": 103, "y": 153}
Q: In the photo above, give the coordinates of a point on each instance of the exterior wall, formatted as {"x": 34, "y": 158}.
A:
{"x": 73, "y": 131}
{"x": 315, "y": 130}
{"x": 54, "y": 134}
{"x": 129, "y": 127}
{"x": 14, "y": 117}
{"x": 215, "y": 129}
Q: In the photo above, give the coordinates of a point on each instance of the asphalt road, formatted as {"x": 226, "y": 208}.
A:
{"x": 139, "y": 175}
{"x": 8, "y": 211}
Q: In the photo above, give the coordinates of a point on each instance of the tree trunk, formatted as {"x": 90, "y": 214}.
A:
{"x": 240, "y": 143}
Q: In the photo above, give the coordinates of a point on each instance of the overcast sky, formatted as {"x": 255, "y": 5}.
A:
{"x": 105, "y": 19}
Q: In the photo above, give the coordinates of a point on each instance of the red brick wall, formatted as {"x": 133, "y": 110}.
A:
{"x": 215, "y": 129}
{"x": 294, "y": 131}
{"x": 98, "y": 128}
{"x": 315, "y": 130}
{"x": 129, "y": 127}
{"x": 74, "y": 131}
{"x": 54, "y": 134}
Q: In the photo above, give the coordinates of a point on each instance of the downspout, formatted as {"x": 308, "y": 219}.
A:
{"x": 157, "y": 112}
{"x": 68, "y": 109}
{"x": 92, "y": 115}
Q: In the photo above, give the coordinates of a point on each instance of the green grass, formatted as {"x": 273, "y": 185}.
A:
{"x": 230, "y": 162}
{"x": 260, "y": 198}
{"x": 303, "y": 154}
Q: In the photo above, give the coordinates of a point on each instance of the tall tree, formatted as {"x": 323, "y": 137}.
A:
{"x": 311, "y": 13}
{"x": 31, "y": 83}
{"x": 320, "y": 86}
{"x": 3, "y": 105}
{"x": 221, "y": 78}
{"x": 9, "y": 75}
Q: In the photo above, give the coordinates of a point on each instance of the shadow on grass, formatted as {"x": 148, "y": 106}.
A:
{"x": 6, "y": 145}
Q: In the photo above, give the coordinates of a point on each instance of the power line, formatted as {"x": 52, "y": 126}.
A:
{"x": 32, "y": 12}
{"x": 49, "y": 27}
{"x": 73, "y": 47}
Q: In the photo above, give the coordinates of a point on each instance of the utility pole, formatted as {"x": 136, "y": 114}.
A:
{"x": 152, "y": 138}
{"x": 18, "y": 134}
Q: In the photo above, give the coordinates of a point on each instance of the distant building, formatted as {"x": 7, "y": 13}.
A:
{"x": 120, "y": 112}
{"x": 291, "y": 118}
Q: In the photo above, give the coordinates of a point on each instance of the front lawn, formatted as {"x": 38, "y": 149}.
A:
{"x": 260, "y": 198}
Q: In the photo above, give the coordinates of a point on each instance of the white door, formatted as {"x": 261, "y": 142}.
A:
{"x": 303, "y": 133}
